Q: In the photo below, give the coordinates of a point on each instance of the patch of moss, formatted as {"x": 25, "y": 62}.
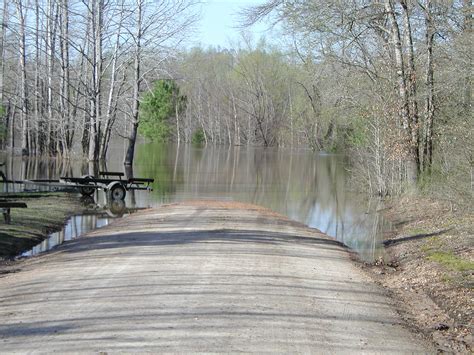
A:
{"x": 451, "y": 261}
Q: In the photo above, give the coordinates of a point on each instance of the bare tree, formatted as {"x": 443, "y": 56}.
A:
{"x": 3, "y": 114}
{"x": 156, "y": 27}
{"x": 137, "y": 78}
{"x": 430, "y": 90}
{"x": 21, "y": 14}
{"x": 3, "y": 26}
{"x": 404, "y": 108}
{"x": 67, "y": 132}
{"x": 116, "y": 83}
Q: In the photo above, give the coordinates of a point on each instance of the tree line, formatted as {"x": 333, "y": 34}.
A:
{"x": 405, "y": 67}
{"x": 256, "y": 94}
{"x": 72, "y": 71}
{"x": 388, "y": 81}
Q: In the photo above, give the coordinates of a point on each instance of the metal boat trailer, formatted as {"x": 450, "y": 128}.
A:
{"x": 116, "y": 188}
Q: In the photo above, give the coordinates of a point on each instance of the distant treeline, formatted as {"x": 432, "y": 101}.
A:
{"x": 388, "y": 81}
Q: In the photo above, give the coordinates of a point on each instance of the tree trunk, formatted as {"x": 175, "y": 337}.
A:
{"x": 429, "y": 81}
{"x": 37, "y": 88}
{"x": 130, "y": 154}
{"x": 12, "y": 125}
{"x": 176, "y": 107}
{"x": 467, "y": 28}
{"x": 97, "y": 10}
{"x": 410, "y": 160}
{"x": 136, "y": 88}
{"x": 85, "y": 129}
{"x": 111, "y": 103}
{"x": 3, "y": 28}
{"x": 86, "y": 87}
{"x": 65, "y": 97}
{"x": 23, "y": 84}
{"x": 50, "y": 33}
{"x": 411, "y": 84}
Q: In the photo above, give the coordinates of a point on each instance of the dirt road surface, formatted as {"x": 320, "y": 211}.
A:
{"x": 198, "y": 277}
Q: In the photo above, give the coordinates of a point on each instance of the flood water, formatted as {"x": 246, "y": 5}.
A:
{"x": 307, "y": 187}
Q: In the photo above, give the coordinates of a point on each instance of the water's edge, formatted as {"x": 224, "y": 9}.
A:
{"x": 78, "y": 225}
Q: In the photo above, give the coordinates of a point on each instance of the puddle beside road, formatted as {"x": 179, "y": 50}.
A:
{"x": 97, "y": 215}
{"x": 75, "y": 227}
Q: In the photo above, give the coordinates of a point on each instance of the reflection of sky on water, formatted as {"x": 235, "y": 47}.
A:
{"x": 306, "y": 187}
{"x": 75, "y": 227}
{"x": 353, "y": 228}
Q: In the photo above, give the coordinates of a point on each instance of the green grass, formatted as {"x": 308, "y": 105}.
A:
{"x": 451, "y": 261}
{"x": 417, "y": 231}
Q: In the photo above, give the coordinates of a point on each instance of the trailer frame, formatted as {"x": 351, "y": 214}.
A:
{"x": 116, "y": 189}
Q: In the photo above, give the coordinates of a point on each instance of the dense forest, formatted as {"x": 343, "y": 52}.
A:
{"x": 71, "y": 68}
{"x": 387, "y": 82}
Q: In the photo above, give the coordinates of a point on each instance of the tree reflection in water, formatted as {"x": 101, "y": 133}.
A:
{"x": 304, "y": 186}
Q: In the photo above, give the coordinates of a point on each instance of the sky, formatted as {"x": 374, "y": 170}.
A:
{"x": 220, "y": 19}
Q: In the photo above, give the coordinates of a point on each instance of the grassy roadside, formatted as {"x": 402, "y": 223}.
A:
{"x": 430, "y": 269}
{"x": 46, "y": 213}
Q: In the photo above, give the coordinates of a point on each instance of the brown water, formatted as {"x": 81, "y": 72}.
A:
{"x": 307, "y": 187}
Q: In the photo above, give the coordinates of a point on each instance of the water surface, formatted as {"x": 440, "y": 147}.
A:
{"x": 307, "y": 187}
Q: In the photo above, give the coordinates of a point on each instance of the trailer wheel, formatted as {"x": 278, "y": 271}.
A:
{"x": 87, "y": 191}
{"x": 116, "y": 191}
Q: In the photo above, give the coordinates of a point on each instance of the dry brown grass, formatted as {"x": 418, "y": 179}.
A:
{"x": 433, "y": 276}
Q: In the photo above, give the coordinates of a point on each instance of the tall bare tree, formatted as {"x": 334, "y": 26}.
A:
{"x": 21, "y": 14}
{"x": 156, "y": 28}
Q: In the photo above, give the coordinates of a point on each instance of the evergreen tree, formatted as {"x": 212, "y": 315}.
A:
{"x": 157, "y": 109}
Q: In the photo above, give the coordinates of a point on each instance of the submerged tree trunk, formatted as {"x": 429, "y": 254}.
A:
{"x": 96, "y": 16}
{"x": 23, "y": 85}
{"x": 50, "y": 44}
{"x": 66, "y": 128}
{"x": 37, "y": 87}
{"x": 136, "y": 88}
